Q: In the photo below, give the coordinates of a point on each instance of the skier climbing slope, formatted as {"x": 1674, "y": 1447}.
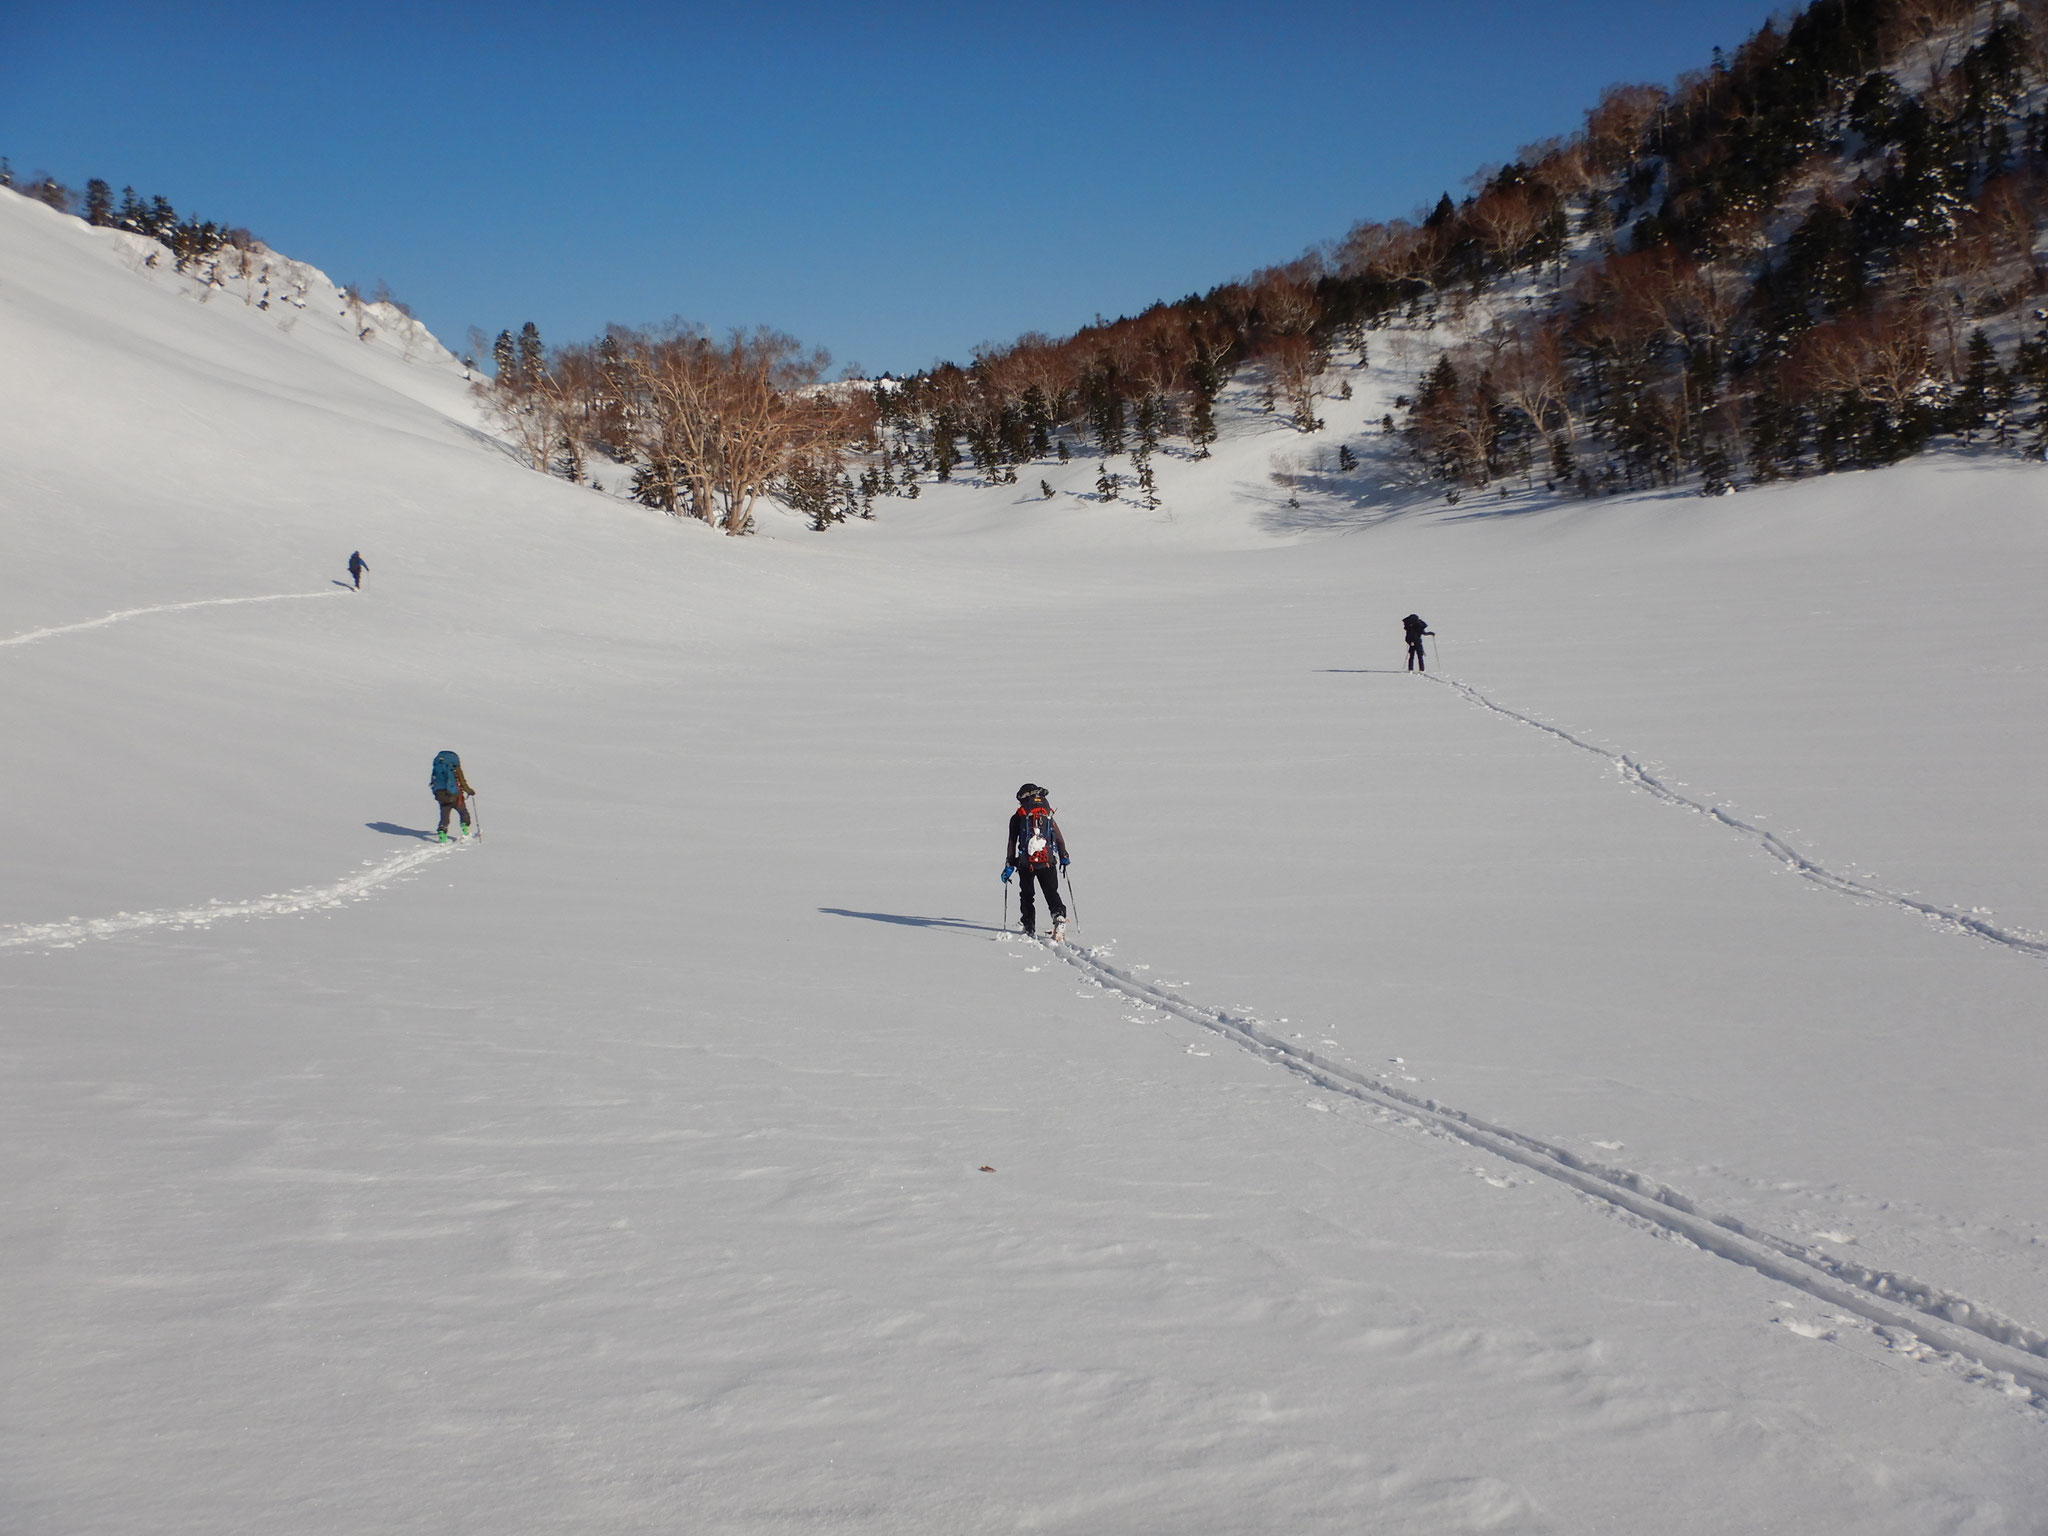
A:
{"x": 1036, "y": 848}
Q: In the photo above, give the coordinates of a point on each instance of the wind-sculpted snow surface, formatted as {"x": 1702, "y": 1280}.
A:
{"x": 76, "y": 930}
{"x": 1635, "y": 773}
{"x": 136, "y": 613}
{"x": 2008, "y": 1355}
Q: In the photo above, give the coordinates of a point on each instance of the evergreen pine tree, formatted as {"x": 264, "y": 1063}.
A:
{"x": 507, "y": 360}
{"x": 533, "y": 358}
{"x": 131, "y": 214}
{"x": 1148, "y": 423}
{"x": 1346, "y": 459}
{"x": 99, "y": 203}
{"x": 945, "y": 452}
{"x": 1971, "y": 406}
{"x": 1045, "y": 489}
{"x": 1716, "y": 466}
{"x": 1107, "y": 484}
{"x": 2001, "y": 391}
{"x": 1201, "y": 425}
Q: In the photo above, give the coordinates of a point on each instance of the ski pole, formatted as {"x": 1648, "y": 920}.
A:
{"x": 1072, "y": 900}
{"x": 476, "y": 817}
{"x": 1006, "y": 906}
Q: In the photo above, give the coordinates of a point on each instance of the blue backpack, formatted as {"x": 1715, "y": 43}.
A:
{"x": 445, "y": 764}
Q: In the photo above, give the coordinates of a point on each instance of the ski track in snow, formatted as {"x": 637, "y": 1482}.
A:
{"x": 136, "y": 613}
{"x": 75, "y": 931}
{"x": 1635, "y": 773}
{"x": 1999, "y": 1351}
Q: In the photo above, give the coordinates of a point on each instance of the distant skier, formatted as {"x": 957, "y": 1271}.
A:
{"x": 356, "y": 566}
{"x": 1416, "y": 629}
{"x": 451, "y": 788}
{"x": 1036, "y": 847}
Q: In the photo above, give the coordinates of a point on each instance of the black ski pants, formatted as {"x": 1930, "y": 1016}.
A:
{"x": 1415, "y": 660}
{"x": 1047, "y": 876}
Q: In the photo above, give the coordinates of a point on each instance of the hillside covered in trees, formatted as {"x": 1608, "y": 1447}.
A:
{"x": 1817, "y": 253}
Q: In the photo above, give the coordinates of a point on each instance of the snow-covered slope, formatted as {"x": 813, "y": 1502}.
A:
{"x": 1443, "y": 1123}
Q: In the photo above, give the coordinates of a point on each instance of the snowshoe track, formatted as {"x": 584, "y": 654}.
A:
{"x": 136, "y": 613}
{"x": 75, "y": 931}
{"x": 1633, "y": 772}
{"x": 1999, "y": 1348}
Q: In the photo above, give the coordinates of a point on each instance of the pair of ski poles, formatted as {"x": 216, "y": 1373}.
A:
{"x": 1073, "y": 901}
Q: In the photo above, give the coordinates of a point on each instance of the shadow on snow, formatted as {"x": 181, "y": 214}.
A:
{"x": 913, "y": 922}
{"x": 392, "y": 829}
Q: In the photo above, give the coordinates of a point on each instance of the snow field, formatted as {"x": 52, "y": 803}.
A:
{"x": 623, "y": 1172}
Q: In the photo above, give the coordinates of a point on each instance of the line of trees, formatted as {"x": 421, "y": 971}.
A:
{"x": 190, "y": 238}
{"x": 704, "y": 426}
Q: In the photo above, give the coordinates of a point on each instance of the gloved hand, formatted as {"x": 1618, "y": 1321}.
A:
{"x": 1065, "y": 862}
{"x": 1008, "y": 870}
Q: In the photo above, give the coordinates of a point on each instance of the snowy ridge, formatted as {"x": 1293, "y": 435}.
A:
{"x": 2011, "y": 1354}
{"x": 74, "y": 931}
{"x": 135, "y": 613}
{"x": 1847, "y": 885}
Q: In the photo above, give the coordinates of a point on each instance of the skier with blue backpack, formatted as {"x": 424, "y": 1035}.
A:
{"x": 1036, "y": 847}
{"x": 452, "y": 789}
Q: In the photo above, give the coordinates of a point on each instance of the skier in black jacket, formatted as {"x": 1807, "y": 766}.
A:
{"x": 1415, "y": 630}
{"x": 356, "y": 566}
{"x": 1036, "y": 847}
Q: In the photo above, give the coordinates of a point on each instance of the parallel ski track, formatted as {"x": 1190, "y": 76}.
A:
{"x": 1635, "y": 773}
{"x": 136, "y": 613}
{"x": 75, "y": 931}
{"x": 1941, "y": 1319}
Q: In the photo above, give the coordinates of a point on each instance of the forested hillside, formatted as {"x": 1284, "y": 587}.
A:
{"x": 1818, "y": 252}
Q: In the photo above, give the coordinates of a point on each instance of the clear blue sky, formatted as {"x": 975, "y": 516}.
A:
{"x": 895, "y": 182}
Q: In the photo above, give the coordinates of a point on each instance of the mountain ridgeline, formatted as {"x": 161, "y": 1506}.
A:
{"x": 1816, "y": 254}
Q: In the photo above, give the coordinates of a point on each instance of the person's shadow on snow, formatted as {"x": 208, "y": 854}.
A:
{"x": 392, "y": 829}
{"x": 913, "y": 922}
{"x": 345, "y": 586}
